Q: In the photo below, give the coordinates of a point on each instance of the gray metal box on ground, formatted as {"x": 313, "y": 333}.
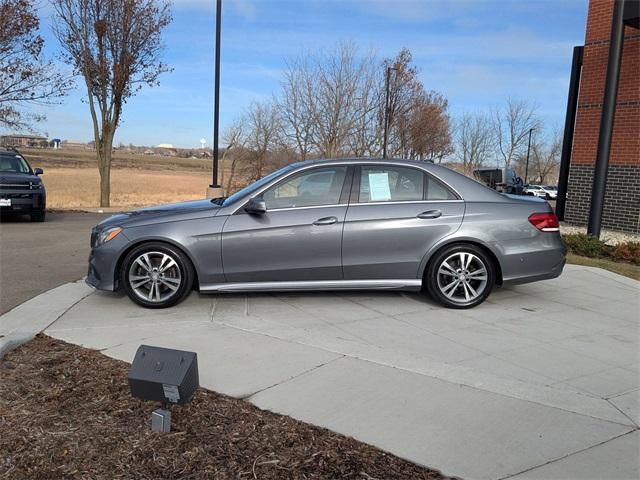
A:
{"x": 163, "y": 374}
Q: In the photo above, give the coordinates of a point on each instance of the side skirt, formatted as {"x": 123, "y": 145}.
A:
{"x": 410, "y": 284}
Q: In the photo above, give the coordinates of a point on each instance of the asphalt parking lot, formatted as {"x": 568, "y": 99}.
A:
{"x": 35, "y": 257}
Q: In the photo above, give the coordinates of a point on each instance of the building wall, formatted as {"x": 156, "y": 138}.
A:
{"x": 622, "y": 199}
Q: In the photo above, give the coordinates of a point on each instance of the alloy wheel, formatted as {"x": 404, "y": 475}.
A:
{"x": 462, "y": 277}
{"x": 155, "y": 276}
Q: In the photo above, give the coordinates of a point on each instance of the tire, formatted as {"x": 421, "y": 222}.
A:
{"x": 38, "y": 216}
{"x": 168, "y": 271}
{"x": 472, "y": 288}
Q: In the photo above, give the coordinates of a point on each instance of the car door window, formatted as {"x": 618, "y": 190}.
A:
{"x": 437, "y": 191}
{"x": 321, "y": 186}
{"x": 390, "y": 184}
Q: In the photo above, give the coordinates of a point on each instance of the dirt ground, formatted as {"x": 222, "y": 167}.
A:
{"x": 66, "y": 412}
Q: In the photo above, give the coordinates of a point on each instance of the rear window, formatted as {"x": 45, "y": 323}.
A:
{"x": 438, "y": 191}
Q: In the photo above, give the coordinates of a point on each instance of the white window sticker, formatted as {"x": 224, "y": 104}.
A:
{"x": 171, "y": 393}
{"x": 379, "y": 187}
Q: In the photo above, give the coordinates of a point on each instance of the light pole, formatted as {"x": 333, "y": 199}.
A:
{"x": 526, "y": 166}
{"x": 386, "y": 111}
{"x": 216, "y": 102}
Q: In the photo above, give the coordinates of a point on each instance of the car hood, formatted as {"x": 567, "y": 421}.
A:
{"x": 18, "y": 178}
{"x": 162, "y": 213}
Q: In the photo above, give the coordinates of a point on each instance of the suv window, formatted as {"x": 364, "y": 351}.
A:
{"x": 321, "y": 186}
{"x": 390, "y": 184}
{"x": 437, "y": 191}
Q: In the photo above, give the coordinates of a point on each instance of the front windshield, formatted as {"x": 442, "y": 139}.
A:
{"x": 13, "y": 163}
{"x": 256, "y": 185}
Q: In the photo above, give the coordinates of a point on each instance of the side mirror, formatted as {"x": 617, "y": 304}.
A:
{"x": 38, "y": 171}
{"x": 256, "y": 205}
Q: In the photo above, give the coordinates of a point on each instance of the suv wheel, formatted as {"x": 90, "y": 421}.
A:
{"x": 460, "y": 276}
{"x": 38, "y": 216}
{"x": 156, "y": 275}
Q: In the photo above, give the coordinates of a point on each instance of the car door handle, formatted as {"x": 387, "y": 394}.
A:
{"x": 430, "y": 214}
{"x": 326, "y": 221}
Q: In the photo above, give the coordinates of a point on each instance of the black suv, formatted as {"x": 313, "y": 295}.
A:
{"x": 21, "y": 189}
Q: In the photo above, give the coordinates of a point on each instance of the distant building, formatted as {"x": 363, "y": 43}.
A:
{"x": 23, "y": 141}
{"x": 74, "y": 145}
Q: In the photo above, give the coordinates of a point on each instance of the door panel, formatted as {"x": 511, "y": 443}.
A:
{"x": 295, "y": 244}
{"x": 388, "y": 241}
{"x": 298, "y": 238}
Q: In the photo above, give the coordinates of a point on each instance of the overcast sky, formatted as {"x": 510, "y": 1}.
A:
{"x": 475, "y": 52}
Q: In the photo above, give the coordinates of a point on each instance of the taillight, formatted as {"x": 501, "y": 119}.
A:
{"x": 545, "y": 222}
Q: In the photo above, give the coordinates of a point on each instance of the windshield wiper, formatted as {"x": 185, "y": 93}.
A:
{"x": 218, "y": 200}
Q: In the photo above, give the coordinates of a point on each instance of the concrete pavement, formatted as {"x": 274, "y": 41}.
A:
{"x": 539, "y": 382}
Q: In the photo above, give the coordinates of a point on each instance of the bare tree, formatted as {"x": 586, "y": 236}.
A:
{"x": 327, "y": 98}
{"x": 429, "y": 128}
{"x": 295, "y": 106}
{"x": 115, "y": 45}
{"x": 263, "y": 139}
{"x": 25, "y": 76}
{"x": 234, "y": 153}
{"x": 475, "y": 141}
{"x": 544, "y": 158}
{"x": 511, "y": 128}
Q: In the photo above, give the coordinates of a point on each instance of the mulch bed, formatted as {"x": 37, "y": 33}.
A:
{"x": 66, "y": 412}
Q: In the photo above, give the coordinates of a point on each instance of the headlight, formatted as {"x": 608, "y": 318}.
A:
{"x": 108, "y": 235}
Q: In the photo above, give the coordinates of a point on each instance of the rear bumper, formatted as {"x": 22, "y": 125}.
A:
{"x": 542, "y": 258}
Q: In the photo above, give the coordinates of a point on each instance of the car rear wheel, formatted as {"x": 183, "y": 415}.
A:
{"x": 460, "y": 276}
{"x": 156, "y": 275}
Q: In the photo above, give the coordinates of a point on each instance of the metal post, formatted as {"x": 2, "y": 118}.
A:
{"x": 606, "y": 119}
{"x": 569, "y": 125}
{"x": 526, "y": 167}
{"x": 216, "y": 97}
{"x": 386, "y": 113}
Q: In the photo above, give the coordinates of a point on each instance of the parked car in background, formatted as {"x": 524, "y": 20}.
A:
{"x": 541, "y": 191}
{"x": 551, "y": 191}
{"x": 333, "y": 225}
{"x": 21, "y": 189}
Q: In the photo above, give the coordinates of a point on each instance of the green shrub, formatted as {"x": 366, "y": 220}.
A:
{"x": 627, "y": 252}
{"x": 586, "y": 245}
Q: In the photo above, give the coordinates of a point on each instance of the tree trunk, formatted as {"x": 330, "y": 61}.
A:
{"x": 104, "y": 167}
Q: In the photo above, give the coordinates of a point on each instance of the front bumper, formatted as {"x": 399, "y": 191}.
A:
{"x": 22, "y": 201}
{"x": 103, "y": 263}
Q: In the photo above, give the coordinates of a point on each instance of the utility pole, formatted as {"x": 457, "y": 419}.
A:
{"x": 214, "y": 188}
{"x": 526, "y": 166}
{"x": 386, "y": 112}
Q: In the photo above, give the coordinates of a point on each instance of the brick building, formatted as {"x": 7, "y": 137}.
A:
{"x": 622, "y": 199}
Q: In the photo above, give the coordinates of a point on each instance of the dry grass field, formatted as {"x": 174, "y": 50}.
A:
{"x": 72, "y": 180}
{"x": 79, "y": 187}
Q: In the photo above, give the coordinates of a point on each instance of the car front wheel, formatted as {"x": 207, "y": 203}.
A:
{"x": 156, "y": 275}
{"x": 460, "y": 276}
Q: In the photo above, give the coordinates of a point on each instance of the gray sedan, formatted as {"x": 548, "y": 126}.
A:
{"x": 333, "y": 225}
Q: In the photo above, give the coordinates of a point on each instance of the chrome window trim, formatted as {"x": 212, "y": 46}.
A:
{"x": 284, "y": 209}
{"x": 347, "y": 164}
{"x": 405, "y": 202}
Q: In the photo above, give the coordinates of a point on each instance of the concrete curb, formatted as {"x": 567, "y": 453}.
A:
{"x": 25, "y": 321}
